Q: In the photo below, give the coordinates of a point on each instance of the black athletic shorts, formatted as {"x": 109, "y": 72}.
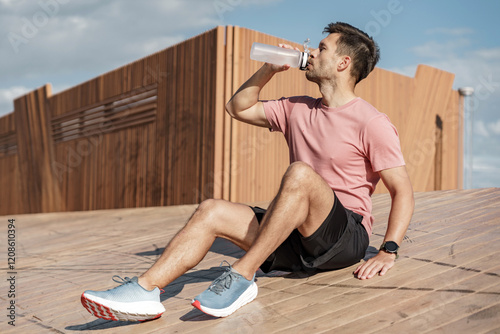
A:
{"x": 339, "y": 242}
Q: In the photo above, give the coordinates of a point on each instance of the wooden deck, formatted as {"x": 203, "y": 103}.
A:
{"x": 447, "y": 279}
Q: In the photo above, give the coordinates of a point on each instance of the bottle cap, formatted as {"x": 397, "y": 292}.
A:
{"x": 303, "y": 60}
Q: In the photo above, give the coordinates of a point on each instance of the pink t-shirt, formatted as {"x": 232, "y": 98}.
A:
{"x": 347, "y": 146}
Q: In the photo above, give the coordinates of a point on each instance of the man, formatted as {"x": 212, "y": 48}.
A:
{"x": 340, "y": 146}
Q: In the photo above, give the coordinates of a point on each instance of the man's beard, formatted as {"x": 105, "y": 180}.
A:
{"x": 312, "y": 76}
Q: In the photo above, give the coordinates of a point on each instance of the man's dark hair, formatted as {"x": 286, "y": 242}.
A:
{"x": 362, "y": 49}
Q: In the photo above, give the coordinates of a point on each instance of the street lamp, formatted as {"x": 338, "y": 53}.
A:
{"x": 468, "y": 115}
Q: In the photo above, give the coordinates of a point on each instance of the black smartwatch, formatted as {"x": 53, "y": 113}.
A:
{"x": 390, "y": 247}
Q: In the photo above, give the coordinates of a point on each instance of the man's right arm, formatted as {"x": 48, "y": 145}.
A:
{"x": 245, "y": 105}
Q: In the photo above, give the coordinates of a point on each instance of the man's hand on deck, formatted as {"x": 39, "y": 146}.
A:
{"x": 379, "y": 264}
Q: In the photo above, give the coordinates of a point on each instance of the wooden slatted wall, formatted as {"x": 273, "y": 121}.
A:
{"x": 155, "y": 132}
{"x": 10, "y": 194}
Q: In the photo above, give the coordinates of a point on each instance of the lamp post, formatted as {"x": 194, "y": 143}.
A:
{"x": 468, "y": 116}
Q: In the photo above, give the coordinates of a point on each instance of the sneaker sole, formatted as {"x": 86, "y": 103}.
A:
{"x": 245, "y": 298}
{"x": 109, "y": 310}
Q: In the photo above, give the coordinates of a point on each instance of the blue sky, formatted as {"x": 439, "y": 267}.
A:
{"x": 65, "y": 42}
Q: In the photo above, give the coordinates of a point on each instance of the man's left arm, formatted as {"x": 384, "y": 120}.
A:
{"x": 398, "y": 183}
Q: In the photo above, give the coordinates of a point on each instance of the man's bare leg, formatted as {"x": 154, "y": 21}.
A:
{"x": 130, "y": 301}
{"x": 213, "y": 218}
{"x": 303, "y": 202}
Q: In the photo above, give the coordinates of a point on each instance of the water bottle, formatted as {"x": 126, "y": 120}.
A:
{"x": 280, "y": 56}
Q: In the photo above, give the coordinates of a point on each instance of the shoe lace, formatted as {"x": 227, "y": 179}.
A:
{"x": 120, "y": 280}
{"x": 224, "y": 281}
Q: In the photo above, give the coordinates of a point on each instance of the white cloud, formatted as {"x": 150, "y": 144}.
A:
{"x": 495, "y": 127}
{"x": 154, "y": 44}
{"x": 7, "y": 96}
{"x": 7, "y": 2}
{"x": 450, "y": 31}
{"x": 439, "y": 50}
{"x": 488, "y": 54}
{"x": 480, "y": 129}
{"x": 486, "y": 171}
{"x": 10, "y": 94}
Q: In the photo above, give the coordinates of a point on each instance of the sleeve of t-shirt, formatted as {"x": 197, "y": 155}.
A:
{"x": 381, "y": 141}
{"x": 277, "y": 112}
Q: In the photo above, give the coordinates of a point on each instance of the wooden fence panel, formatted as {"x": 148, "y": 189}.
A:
{"x": 35, "y": 153}
{"x": 191, "y": 91}
{"x": 10, "y": 178}
{"x": 8, "y": 137}
{"x": 451, "y": 153}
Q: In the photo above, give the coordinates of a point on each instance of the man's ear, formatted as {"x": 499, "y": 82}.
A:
{"x": 344, "y": 63}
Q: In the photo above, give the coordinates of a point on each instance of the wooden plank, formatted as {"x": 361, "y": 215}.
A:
{"x": 452, "y": 143}
{"x": 220, "y": 102}
{"x": 228, "y": 93}
{"x": 40, "y": 193}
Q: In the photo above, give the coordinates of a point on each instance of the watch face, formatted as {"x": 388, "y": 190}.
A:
{"x": 391, "y": 246}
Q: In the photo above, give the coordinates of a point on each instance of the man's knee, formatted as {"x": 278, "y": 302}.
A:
{"x": 210, "y": 207}
{"x": 298, "y": 175}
